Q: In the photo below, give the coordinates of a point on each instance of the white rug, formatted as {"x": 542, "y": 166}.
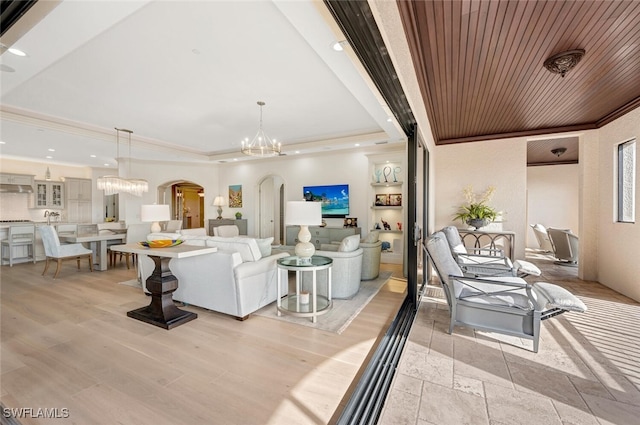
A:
{"x": 132, "y": 282}
{"x": 341, "y": 314}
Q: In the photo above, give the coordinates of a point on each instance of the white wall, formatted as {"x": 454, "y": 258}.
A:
{"x": 618, "y": 243}
{"x": 499, "y": 163}
{"x": 553, "y": 198}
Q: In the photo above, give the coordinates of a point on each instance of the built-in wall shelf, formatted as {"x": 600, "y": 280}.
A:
{"x": 386, "y": 184}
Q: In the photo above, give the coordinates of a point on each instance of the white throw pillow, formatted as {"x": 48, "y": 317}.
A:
{"x": 349, "y": 244}
{"x": 265, "y": 246}
{"x": 372, "y": 237}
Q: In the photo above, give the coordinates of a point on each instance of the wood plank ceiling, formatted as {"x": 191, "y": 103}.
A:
{"x": 480, "y": 65}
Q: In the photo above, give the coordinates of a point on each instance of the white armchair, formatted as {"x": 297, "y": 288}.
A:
{"x": 542, "y": 236}
{"x": 346, "y": 271}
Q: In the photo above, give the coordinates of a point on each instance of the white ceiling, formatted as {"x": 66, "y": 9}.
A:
{"x": 185, "y": 77}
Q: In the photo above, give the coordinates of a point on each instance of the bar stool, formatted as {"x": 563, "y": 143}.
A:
{"x": 19, "y": 235}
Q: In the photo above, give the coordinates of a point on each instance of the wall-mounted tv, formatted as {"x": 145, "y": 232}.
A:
{"x": 334, "y": 198}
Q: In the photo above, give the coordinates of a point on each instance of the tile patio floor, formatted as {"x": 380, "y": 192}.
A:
{"x": 587, "y": 370}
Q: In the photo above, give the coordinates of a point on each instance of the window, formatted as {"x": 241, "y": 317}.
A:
{"x": 626, "y": 181}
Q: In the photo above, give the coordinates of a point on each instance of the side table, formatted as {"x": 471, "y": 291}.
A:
{"x": 162, "y": 312}
{"x": 291, "y": 303}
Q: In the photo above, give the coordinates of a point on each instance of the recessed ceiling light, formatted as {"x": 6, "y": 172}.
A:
{"x": 389, "y": 119}
{"x": 235, "y": 159}
{"x": 297, "y": 151}
{"x": 51, "y": 150}
{"x": 339, "y": 46}
{"x": 106, "y": 165}
{"x": 2, "y": 143}
{"x": 16, "y": 52}
{"x": 357, "y": 144}
{"x": 92, "y": 156}
{"x": 48, "y": 157}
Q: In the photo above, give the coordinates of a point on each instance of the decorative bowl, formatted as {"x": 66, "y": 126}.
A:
{"x": 161, "y": 243}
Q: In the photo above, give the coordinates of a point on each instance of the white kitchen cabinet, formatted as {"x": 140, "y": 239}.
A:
{"x": 79, "y": 202}
{"x": 48, "y": 194}
{"x": 22, "y": 179}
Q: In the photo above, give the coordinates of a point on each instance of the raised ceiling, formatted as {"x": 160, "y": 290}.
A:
{"x": 480, "y": 65}
{"x": 185, "y": 77}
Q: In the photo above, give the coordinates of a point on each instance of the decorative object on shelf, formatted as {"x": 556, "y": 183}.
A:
{"x": 386, "y": 246}
{"x": 238, "y": 215}
{"x": 558, "y": 151}
{"x": 47, "y": 175}
{"x": 304, "y": 214}
{"x": 381, "y": 200}
{"x": 378, "y": 174}
{"x": 324, "y": 223}
{"x": 387, "y": 172}
{"x": 350, "y": 222}
{"x": 155, "y": 213}
{"x": 115, "y": 184}
{"x": 235, "y": 196}
{"x": 396, "y": 171}
{"x": 399, "y": 225}
{"x": 564, "y": 62}
{"x": 476, "y": 212}
{"x": 261, "y": 145}
{"x": 395, "y": 199}
{"x": 377, "y": 226}
{"x": 304, "y": 297}
{"x": 385, "y": 224}
{"x": 219, "y": 201}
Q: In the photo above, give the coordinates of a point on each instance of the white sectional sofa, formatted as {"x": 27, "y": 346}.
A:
{"x": 238, "y": 279}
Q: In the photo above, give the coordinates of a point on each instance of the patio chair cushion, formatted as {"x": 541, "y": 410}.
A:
{"x": 559, "y": 297}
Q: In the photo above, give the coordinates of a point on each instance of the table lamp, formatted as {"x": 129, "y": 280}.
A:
{"x": 304, "y": 214}
{"x": 155, "y": 213}
{"x": 219, "y": 202}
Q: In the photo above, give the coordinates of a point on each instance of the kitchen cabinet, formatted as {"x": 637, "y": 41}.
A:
{"x": 21, "y": 179}
{"x": 49, "y": 194}
{"x": 78, "y": 200}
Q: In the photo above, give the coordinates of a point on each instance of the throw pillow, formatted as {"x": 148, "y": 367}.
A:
{"x": 372, "y": 237}
{"x": 349, "y": 244}
{"x": 265, "y": 246}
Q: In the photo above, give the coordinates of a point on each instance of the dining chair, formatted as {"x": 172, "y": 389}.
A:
{"x": 19, "y": 235}
{"x": 59, "y": 252}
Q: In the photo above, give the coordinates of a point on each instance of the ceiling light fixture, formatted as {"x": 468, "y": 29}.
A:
{"x": 16, "y": 52}
{"x": 114, "y": 184}
{"x": 558, "y": 151}
{"x": 564, "y": 62}
{"x": 261, "y": 145}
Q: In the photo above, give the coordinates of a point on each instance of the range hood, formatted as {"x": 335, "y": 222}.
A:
{"x": 15, "y": 188}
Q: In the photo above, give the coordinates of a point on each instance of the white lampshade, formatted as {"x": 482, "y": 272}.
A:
{"x": 155, "y": 213}
{"x": 304, "y": 214}
{"x": 219, "y": 202}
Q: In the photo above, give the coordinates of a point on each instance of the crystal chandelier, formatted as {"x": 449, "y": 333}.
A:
{"x": 115, "y": 184}
{"x": 261, "y": 145}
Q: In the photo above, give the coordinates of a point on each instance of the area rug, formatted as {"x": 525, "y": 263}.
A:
{"x": 341, "y": 314}
{"x": 132, "y": 282}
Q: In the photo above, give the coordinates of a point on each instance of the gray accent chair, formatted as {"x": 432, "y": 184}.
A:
{"x": 542, "y": 236}
{"x": 485, "y": 261}
{"x": 346, "y": 271}
{"x": 565, "y": 246}
{"x": 371, "y": 252}
{"x": 55, "y": 251}
{"x": 506, "y": 305}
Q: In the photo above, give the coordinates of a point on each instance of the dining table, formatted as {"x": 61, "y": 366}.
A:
{"x": 98, "y": 244}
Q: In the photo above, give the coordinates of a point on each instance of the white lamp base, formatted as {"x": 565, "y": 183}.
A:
{"x": 155, "y": 227}
{"x": 304, "y": 249}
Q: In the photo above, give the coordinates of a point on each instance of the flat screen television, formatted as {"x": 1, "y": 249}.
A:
{"x": 334, "y": 198}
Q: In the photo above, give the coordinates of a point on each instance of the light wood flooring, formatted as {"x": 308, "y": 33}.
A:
{"x": 586, "y": 372}
{"x": 68, "y": 344}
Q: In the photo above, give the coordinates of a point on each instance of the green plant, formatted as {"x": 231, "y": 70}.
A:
{"x": 238, "y": 215}
{"x": 476, "y": 208}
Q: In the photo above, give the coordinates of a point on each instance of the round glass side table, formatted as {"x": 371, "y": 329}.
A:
{"x": 297, "y": 303}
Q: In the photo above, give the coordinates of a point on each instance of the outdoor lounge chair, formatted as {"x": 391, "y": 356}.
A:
{"x": 506, "y": 305}
{"x": 485, "y": 261}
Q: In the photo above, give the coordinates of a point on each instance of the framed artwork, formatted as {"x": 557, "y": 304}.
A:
{"x": 381, "y": 200}
{"x": 395, "y": 199}
{"x": 235, "y": 196}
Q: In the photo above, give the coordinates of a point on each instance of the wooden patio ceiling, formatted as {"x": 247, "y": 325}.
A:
{"x": 480, "y": 65}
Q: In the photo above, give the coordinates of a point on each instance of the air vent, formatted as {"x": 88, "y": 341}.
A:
{"x": 382, "y": 143}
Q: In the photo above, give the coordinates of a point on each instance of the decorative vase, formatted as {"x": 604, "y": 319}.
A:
{"x": 477, "y": 222}
{"x": 238, "y": 215}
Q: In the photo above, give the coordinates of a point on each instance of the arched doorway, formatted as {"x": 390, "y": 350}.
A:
{"x": 271, "y": 208}
{"x": 186, "y": 199}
